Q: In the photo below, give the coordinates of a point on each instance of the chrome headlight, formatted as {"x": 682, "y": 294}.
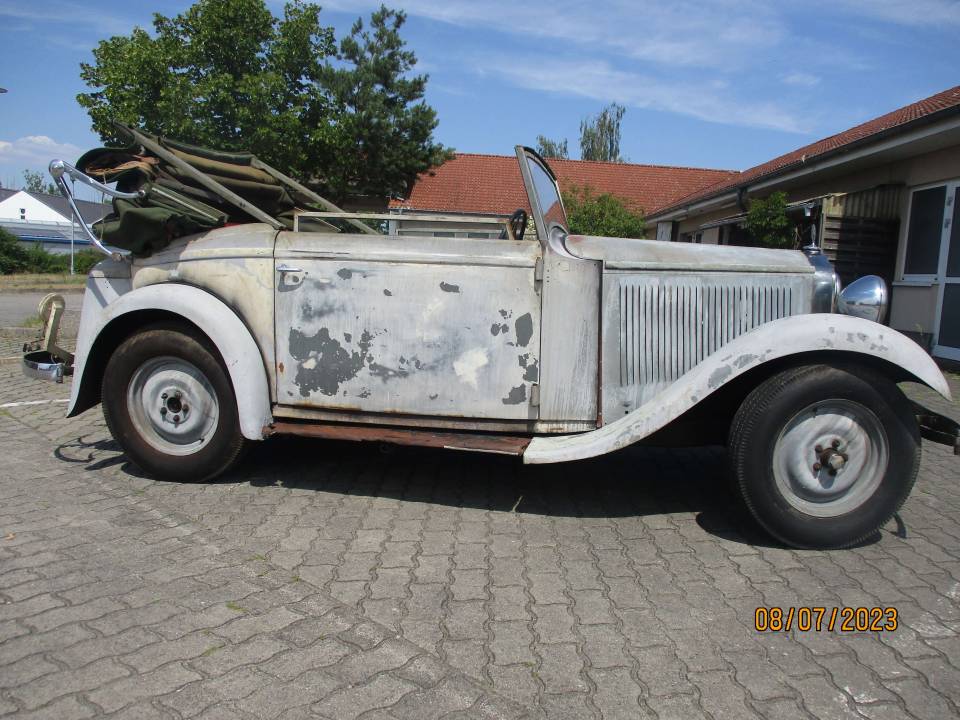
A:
{"x": 865, "y": 298}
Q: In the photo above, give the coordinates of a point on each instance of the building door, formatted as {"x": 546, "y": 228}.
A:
{"x": 932, "y": 255}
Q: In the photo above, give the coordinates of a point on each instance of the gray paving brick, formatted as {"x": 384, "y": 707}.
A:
{"x": 348, "y": 703}
{"x": 270, "y": 701}
{"x": 450, "y": 695}
{"x": 79, "y": 654}
{"x": 27, "y": 644}
{"x": 24, "y": 670}
{"x": 69, "y": 707}
{"x": 358, "y": 667}
{"x": 50, "y": 686}
{"x": 150, "y": 684}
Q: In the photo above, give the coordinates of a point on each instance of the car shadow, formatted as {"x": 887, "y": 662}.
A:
{"x": 637, "y": 481}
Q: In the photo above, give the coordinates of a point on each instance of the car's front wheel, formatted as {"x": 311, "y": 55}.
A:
{"x": 824, "y": 456}
{"x": 169, "y": 403}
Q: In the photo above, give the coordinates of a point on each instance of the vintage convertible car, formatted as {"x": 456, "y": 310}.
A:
{"x": 543, "y": 344}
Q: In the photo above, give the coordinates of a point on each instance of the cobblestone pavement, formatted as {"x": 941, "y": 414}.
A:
{"x": 332, "y": 580}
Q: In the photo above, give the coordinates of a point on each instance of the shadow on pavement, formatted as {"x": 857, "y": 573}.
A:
{"x": 636, "y": 481}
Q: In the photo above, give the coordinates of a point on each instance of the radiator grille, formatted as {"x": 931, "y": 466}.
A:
{"x": 666, "y": 328}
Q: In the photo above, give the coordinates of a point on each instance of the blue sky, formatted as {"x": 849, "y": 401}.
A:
{"x": 722, "y": 84}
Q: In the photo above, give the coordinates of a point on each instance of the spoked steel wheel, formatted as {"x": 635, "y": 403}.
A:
{"x": 830, "y": 457}
{"x": 824, "y": 455}
{"x": 169, "y": 402}
{"x": 173, "y": 405}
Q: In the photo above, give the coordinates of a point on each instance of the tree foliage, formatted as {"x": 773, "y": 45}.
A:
{"x": 600, "y": 136}
{"x": 34, "y": 181}
{"x": 347, "y": 116}
{"x": 552, "y": 148}
{"x": 13, "y": 256}
{"x": 17, "y": 257}
{"x": 767, "y": 222}
{"x": 590, "y": 213}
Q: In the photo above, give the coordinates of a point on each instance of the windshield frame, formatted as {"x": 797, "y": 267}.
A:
{"x": 527, "y": 156}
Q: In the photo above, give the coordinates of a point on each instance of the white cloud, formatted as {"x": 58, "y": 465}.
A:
{"x": 802, "y": 79}
{"x": 35, "y": 151}
{"x": 714, "y": 33}
{"x": 918, "y": 13}
{"x": 599, "y": 81}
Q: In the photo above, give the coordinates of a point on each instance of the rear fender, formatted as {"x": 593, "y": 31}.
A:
{"x": 848, "y": 336}
{"x": 105, "y": 302}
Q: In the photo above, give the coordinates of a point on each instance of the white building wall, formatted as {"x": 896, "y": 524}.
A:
{"x": 36, "y": 211}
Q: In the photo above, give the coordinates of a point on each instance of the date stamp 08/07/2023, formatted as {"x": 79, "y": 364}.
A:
{"x": 818, "y": 619}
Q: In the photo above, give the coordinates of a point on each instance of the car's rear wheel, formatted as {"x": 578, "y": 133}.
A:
{"x": 169, "y": 403}
{"x": 824, "y": 456}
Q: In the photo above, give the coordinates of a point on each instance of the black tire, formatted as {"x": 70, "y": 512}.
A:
{"x": 771, "y": 414}
{"x": 216, "y": 443}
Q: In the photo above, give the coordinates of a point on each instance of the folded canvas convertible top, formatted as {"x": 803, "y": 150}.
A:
{"x": 186, "y": 189}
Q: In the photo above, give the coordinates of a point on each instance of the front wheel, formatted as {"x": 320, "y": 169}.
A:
{"x": 824, "y": 456}
{"x": 169, "y": 403}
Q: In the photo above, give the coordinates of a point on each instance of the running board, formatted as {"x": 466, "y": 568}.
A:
{"x": 474, "y": 442}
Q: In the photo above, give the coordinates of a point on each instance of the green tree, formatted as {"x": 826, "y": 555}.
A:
{"x": 767, "y": 222}
{"x": 600, "y": 136}
{"x": 33, "y": 181}
{"x": 589, "y": 213}
{"x": 348, "y": 117}
{"x": 13, "y": 256}
{"x": 552, "y": 148}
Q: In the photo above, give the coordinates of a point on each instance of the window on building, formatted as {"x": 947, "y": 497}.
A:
{"x": 23, "y": 213}
{"x": 925, "y": 231}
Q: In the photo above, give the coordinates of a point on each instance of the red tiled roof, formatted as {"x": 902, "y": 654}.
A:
{"x": 492, "y": 183}
{"x": 863, "y": 132}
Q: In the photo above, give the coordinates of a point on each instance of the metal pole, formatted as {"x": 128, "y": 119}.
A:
{"x": 73, "y": 228}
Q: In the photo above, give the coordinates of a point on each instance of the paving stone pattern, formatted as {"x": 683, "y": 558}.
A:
{"x": 330, "y": 580}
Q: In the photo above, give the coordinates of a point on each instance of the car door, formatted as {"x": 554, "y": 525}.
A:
{"x": 415, "y": 325}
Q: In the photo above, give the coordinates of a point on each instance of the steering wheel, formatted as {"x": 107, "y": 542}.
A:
{"x": 518, "y": 223}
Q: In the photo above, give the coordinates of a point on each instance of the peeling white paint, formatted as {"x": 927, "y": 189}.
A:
{"x": 467, "y": 365}
{"x": 309, "y": 364}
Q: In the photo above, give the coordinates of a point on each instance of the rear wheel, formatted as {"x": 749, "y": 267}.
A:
{"x": 169, "y": 403}
{"x": 823, "y": 456}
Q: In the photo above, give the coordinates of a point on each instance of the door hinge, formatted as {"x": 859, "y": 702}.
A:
{"x": 535, "y": 395}
{"x": 538, "y": 272}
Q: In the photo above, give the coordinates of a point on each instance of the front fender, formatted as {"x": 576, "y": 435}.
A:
{"x": 770, "y": 341}
{"x": 241, "y": 356}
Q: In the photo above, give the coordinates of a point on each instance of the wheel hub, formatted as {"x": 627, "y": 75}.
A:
{"x": 830, "y": 457}
{"x": 173, "y": 405}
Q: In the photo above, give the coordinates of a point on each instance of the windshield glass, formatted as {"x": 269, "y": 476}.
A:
{"x": 547, "y": 196}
